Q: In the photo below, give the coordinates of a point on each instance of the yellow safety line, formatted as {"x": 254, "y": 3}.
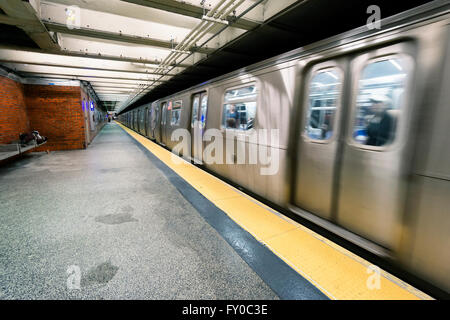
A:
{"x": 335, "y": 271}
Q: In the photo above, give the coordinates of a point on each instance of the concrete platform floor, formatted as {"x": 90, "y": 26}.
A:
{"x": 111, "y": 213}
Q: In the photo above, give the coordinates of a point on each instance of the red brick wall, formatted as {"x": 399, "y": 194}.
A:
{"x": 55, "y": 111}
{"x": 13, "y": 113}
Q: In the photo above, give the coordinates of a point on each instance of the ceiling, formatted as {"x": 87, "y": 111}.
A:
{"x": 136, "y": 51}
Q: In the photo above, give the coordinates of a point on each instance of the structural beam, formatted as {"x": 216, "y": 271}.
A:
{"x": 190, "y": 10}
{"x": 71, "y": 66}
{"x": 101, "y": 86}
{"x": 112, "y": 97}
{"x": 80, "y": 54}
{"x": 4, "y": 19}
{"x": 114, "y": 36}
{"x": 76, "y": 71}
{"x": 78, "y": 76}
{"x": 28, "y": 21}
{"x": 93, "y": 80}
{"x": 111, "y": 92}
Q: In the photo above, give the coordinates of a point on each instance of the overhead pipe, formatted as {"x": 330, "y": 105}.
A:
{"x": 193, "y": 32}
{"x": 219, "y": 15}
{"x": 222, "y": 16}
{"x": 208, "y": 26}
{"x": 178, "y": 49}
{"x": 194, "y": 37}
{"x": 205, "y": 42}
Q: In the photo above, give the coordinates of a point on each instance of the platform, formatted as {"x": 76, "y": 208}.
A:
{"x": 138, "y": 226}
{"x": 110, "y": 211}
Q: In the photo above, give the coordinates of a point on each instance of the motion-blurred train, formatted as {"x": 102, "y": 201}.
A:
{"x": 364, "y": 134}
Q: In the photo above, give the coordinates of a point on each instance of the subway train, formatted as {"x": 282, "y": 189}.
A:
{"x": 363, "y": 135}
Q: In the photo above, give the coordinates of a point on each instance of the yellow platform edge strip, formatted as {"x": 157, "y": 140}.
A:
{"x": 335, "y": 271}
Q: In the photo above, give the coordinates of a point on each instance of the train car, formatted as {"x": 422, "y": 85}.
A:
{"x": 362, "y": 139}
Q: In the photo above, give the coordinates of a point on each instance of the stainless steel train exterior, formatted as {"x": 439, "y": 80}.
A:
{"x": 391, "y": 198}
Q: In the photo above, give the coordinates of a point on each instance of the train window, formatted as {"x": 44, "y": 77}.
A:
{"x": 239, "y": 108}
{"x": 380, "y": 93}
{"x": 176, "y": 113}
{"x": 204, "y": 109}
{"x": 155, "y": 116}
{"x": 323, "y": 97}
{"x": 195, "y": 105}
{"x": 163, "y": 115}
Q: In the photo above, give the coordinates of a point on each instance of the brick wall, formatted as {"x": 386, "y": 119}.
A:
{"x": 55, "y": 111}
{"x": 13, "y": 113}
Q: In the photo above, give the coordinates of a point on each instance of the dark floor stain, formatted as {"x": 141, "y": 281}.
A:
{"x": 101, "y": 274}
{"x": 111, "y": 170}
{"x": 123, "y": 215}
{"x": 127, "y": 209}
{"x": 116, "y": 218}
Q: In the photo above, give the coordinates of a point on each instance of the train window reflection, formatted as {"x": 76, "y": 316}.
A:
{"x": 203, "y": 111}
{"x": 176, "y": 113}
{"x": 239, "y": 109}
{"x": 195, "y": 110}
{"x": 163, "y": 115}
{"x": 378, "y": 103}
{"x": 324, "y": 91}
{"x": 154, "y": 118}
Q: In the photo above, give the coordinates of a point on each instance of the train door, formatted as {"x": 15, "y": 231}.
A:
{"x": 353, "y": 156}
{"x": 139, "y": 120}
{"x": 146, "y": 120}
{"x": 377, "y": 150}
{"x": 142, "y": 123}
{"x": 319, "y": 137}
{"x": 154, "y": 121}
{"x": 198, "y": 124}
{"x": 163, "y": 122}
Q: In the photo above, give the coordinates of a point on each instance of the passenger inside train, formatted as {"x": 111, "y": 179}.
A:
{"x": 323, "y": 98}
{"x": 379, "y": 101}
{"x": 239, "y": 108}
{"x": 232, "y": 117}
{"x": 380, "y": 126}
